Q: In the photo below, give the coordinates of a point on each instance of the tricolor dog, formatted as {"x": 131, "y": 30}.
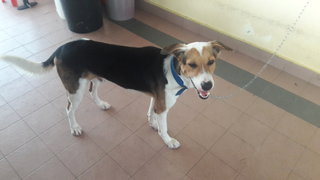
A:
{"x": 161, "y": 73}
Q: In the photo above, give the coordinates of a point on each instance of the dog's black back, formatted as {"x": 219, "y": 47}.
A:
{"x": 132, "y": 68}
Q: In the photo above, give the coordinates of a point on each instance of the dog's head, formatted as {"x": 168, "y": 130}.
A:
{"x": 197, "y": 62}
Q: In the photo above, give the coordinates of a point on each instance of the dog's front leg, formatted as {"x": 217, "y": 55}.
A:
{"x": 163, "y": 131}
{"x": 161, "y": 105}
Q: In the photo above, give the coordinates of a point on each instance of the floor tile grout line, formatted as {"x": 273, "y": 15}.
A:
{"x": 29, "y": 113}
{"x": 31, "y": 139}
{"x": 11, "y": 166}
{"x": 148, "y": 161}
{"x": 41, "y": 165}
{"x": 163, "y": 147}
{"x": 227, "y": 130}
{"x": 3, "y": 67}
{"x": 33, "y": 89}
{"x": 177, "y": 133}
{"x": 88, "y": 137}
{"x": 40, "y": 37}
{"x": 98, "y": 161}
{"x": 293, "y": 140}
{"x": 30, "y": 82}
{"x": 298, "y": 159}
{"x": 20, "y": 20}
{"x": 210, "y": 153}
{"x": 57, "y": 154}
{"x": 57, "y": 157}
{"x": 117, "y": 161}
{"x": 15, "y": 121}
{"x": 20, "y": 117}
{"x": 254, "y": 96}
{"x": 188, "y": 105}
{"x": 89, "y": 167}
{"x": 24, "y": 45}
{"x": 104, "y": 152}
{"x": 113, "y": 114}
{"x": 135, "y": 133}
{"x": 262, "y": 122}
{"x": 194, "y": 119}
{"x": 157, "y": 153}
{"x": 205, "y": 149}
{"x": 30, "y": 30}
{"x": 265, "y": 138}
{"x": 10, "y": 67}
{"x": 238, "y": 171}
{"x": 6, "y": 35}
{"x": 210, "y": 148}
{"x": 8, "y": 102}
{"x": 238, "y": 175}
{"x": 269, "y": 134}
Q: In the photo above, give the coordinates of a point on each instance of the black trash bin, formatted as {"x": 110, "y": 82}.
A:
{"x": 83, "y": 16}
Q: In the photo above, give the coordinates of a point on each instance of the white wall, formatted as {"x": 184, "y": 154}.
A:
{"x": 260, "y": 23}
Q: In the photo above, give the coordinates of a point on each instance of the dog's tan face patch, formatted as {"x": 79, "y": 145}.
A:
{"x": 196, "y": 57}
{"x": 193, "y": 62}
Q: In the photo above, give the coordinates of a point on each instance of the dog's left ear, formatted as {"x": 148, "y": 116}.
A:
{"x": 218, "y": 46}
{"x": 175, "y": 49}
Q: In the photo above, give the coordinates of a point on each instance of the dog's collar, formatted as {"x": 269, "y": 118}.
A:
{"x": 177, "y": 78}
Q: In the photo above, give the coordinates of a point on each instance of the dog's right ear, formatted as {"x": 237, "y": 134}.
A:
{"x": 175, "y": 49}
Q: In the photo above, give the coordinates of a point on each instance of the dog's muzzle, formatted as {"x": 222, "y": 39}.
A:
{"x": 204, "y": 93}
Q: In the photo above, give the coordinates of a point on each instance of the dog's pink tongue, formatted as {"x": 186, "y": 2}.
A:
{"x": 204, "y": 93}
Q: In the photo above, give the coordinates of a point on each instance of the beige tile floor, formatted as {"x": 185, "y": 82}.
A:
{"x": 242, "y": 138}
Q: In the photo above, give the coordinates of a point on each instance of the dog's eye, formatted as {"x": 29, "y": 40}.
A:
{"x": 193, "y": 65}
{"x": 210, "y": 62}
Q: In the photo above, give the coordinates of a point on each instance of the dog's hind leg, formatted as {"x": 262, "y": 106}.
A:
{"x": 74, "y": 102}
{"x": 94, "y": 93}
{"x": 152, "y": 122}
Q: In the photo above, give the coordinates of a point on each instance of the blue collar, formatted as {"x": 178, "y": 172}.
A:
{"x": 177, "y": 78}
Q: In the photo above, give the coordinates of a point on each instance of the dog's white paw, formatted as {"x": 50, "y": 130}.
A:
{"x": 173, "y": 144}
{"x": 104, "y": 105}
{"x": 76, "y": 130}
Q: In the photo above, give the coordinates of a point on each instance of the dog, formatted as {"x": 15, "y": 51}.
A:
{"x": 163, "y": 74}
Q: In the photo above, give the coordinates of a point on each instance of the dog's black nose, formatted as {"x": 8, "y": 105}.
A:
{"x": 206, "y": 86}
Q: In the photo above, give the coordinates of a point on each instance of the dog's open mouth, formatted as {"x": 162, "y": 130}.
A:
{"x": 203, "y": 94}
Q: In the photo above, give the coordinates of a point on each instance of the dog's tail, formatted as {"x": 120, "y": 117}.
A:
{"x": 29, "y": 66}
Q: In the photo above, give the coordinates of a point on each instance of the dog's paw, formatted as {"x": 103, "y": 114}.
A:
{"x": 173, "y": 144}
{"x": 104, "y": 105}
{"x": 76, "y": 130}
